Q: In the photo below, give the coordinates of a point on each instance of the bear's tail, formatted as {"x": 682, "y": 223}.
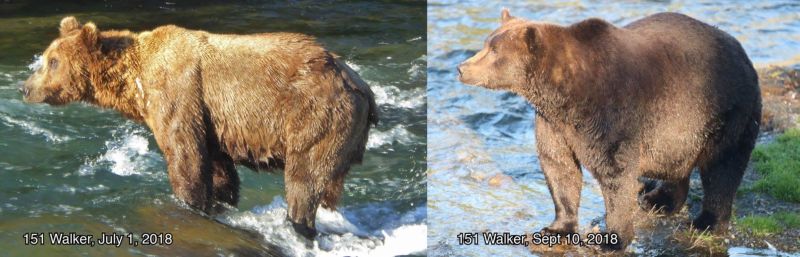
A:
{"x": 358, "y": 85}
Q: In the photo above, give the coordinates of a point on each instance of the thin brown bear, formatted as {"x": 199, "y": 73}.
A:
{"x": 271, "y": 100}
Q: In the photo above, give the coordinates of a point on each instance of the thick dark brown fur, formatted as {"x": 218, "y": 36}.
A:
{"x": 273, "y": 100}
{"x": 656, "y": 98}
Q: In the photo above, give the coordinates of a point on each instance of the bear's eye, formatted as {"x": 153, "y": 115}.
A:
{"x": 53, "y": 64}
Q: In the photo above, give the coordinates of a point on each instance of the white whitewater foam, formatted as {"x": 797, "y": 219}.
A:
{"x": 353, "y": 66}
{"x": 33, "y": 129}
{"x": 37, "y": 63}
{"x": 391, "y": 95}
{"x": 338, "y": 236}
{"x": 398, "y": 134}
{"x": 405, "y": 240}
{"x": 125, "y": 156}
{"x": 332, "y": 222}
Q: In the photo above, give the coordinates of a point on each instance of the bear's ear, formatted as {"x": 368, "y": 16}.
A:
{"x": 89, "y": 35}
{"x": 530, "y": 37}
{"x": 505, "y": 16}
{"x": 590, "y": 28}
{"x": 67, "y": 25}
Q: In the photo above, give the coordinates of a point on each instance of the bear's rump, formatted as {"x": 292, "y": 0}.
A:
{"x": 259, "y": 118}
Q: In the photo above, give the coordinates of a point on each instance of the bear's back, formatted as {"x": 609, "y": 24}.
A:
{"x": 702, "y": 76}
{"x": 265, "y": 92}
{"x": 698, "y": 58}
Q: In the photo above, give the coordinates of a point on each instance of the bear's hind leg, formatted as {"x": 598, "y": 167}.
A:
{"x": 668, "y": 197}
{"x": 333, "y": 191}
{"x": 721, "y": 176}
{"x": 226, "y": 179}
{"x": 303, "y": 193}
{"x": 720, "y": 180}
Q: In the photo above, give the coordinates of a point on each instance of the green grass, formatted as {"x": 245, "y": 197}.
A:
{"x": 772, "y": 224}
{"x": 779, "y": 165}
{"x": 761, "y": 225}
{"x": 791, "y": 220}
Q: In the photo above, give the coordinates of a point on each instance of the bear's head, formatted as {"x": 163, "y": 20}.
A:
{"x": 522, "y": 53}
{"x": 63, "y": 75}
{"x": 505, "y": 55}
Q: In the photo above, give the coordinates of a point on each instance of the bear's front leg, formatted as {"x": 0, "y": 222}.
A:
{"x": 180, "y": 132}
{"x": 189, "y": 175}
{"x": 563, "y": 175}
{"x": 189, "y": 168}
{"x": 619, "y": 189}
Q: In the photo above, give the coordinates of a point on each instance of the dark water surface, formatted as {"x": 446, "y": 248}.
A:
{"x": 484, "y": 173}
{"x": 86, "y": 170}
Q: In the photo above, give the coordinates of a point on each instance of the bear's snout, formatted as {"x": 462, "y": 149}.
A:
{"x": 29, "y": 91}
{"x": 24, "y": 89}
{"x": 462, "y": 72}
{"x": 466, "y": 74}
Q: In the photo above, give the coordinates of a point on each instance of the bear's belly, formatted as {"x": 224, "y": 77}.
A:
{"x": 669, "y": 159}
{"x": 262, "y": 164}
{"x": 254, "y": 150}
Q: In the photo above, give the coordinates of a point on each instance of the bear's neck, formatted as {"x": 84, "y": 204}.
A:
{"x": 550, "y": 104}
{"x": 112, "y": 79}
{"x": 567, "y": 92}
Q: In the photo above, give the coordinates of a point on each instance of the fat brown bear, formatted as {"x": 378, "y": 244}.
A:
{"x": 654, "y": 99}
{"x": 271, "y": 100}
